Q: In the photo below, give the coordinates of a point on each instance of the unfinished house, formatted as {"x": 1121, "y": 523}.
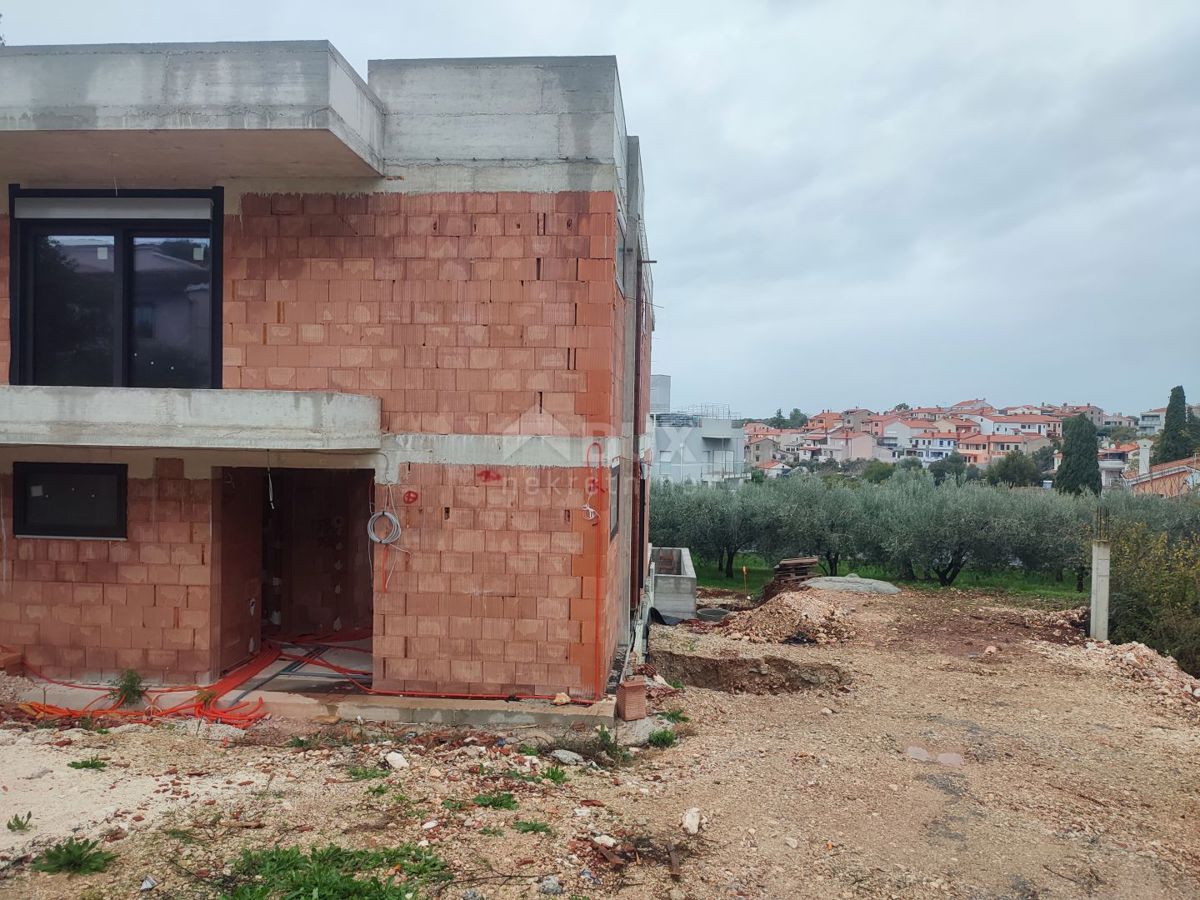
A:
{"x": 291, "y": 354}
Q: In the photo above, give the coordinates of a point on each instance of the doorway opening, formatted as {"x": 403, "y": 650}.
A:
{"x": 295, "y": 542}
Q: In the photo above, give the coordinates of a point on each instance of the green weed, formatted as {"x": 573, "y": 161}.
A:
{"x": 555, "y": 774}
{"x": 92, "y": 762}
{"x": 336, "y": 873}
{"x": 611, "y": 746}
{"x": 127, "y": 689}
{"x": 664, "y": 737}
{"x": 531, "y": 826}
{"x": 75, "y": 858}
{"x": 366, "y": 773}
{"x": 19, "y": 823}
{"x": 496, "y": 801}
{"x": 674, "y": 715}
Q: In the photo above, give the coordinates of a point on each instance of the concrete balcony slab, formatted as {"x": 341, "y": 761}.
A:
{"x": 193, "y": 111}
{"x": 198, "y": 419}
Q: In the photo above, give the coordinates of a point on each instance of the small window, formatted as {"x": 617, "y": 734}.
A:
{"x": 69, "y": 500}
{"x": 614, "y": 500}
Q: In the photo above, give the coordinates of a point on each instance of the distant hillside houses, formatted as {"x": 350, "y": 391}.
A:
{"x": 975, "y": 429}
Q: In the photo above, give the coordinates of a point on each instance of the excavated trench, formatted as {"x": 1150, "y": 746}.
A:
{"x": 745, "y": 675}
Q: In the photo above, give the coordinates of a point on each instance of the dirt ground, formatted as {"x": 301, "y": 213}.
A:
{"x": 964, "y": 749}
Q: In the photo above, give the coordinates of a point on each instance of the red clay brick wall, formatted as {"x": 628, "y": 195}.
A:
{"x": 495, "y": 590}
{"x": 468, "y": 313}
{"x": 92, "y": 608}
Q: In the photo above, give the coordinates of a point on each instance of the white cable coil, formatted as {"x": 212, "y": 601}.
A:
{"x": 394, "y": 529}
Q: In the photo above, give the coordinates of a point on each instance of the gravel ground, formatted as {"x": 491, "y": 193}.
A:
{"x": 979, "y": 751}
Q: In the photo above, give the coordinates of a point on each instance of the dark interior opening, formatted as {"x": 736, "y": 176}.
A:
{"x": 296, "y": 540}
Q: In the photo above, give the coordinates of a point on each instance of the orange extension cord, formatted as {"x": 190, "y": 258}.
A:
{"x": 202, "y": 706}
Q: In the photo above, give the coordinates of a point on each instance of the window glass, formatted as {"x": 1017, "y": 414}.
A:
{"x": 69, "y": 500}
{"x": 74, "y": 324}
{"x": 170, "y": 333}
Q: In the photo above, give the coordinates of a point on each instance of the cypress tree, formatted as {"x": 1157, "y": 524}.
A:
{"x": 1080, "y": 468}
{"x": 1177, "y": 440}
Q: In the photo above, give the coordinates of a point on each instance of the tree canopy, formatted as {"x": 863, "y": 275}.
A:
{"x": 1014, "y": 469}
{"x": 1178, "y": 437}
{"x": 1080, "y": 468}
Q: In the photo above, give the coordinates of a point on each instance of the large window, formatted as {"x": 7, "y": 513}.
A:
{"x": 110, "y": 301}
{"x": 69, "y": 500}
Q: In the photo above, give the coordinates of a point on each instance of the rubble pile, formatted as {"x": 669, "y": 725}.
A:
{"x": 1139, "y": 662}
{"x": 800, "y": 617}
{"x": 1134, "y": 662}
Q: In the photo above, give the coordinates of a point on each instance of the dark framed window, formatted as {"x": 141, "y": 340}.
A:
{"x": 614, "y": 500}
{"x": 118, "y": 302}
{"x": 84, "y": 500}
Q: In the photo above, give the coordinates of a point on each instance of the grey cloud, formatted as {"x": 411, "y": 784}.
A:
{"x": 858, "y": 202}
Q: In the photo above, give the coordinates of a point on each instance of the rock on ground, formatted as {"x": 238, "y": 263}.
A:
{"x": 853, "y": 584}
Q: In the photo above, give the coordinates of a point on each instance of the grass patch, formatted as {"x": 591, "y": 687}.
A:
{"x": 662, "y": 738}
{"x": 1006, "y": 581}
{"x": 336, "y": 873}
{"x": 19, "y": 823}
{"x": 366, "y": 773}
{"x": 496, "y": 800}
{"x": 555, "y": 775}
{"x": 1037, "y": 584}
{"x": 531, "y": 826}
{"x": 377, "y": 790}
{"x": 492, "y": 831}
{"x": 127, "y": 689}
{"x": 454, "y": 805}
{"x": 75, "y": 858}
{"x": 527, "y": 750}
{"x": 675, "y": 716}
{"x": 92, "y": 762}
{"x": 758, "y": 573}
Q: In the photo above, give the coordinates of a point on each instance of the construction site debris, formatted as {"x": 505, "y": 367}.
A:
{"x": 396, "y": 760}
{"x": 801, "y": 617}
{"x": 568, "y": 758}
{"x": 1137, "y": 663}
{"x": 790, "y": 575}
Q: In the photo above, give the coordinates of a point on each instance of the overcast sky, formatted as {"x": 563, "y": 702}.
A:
{"x": 854, "y": 204}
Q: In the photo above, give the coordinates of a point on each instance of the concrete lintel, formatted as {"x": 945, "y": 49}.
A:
{"x": 539, "y": 176}
{"x": 493, "y": 450}
{"x": 186, "y": 419}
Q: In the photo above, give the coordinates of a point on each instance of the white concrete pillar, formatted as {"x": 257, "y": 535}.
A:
{"x": 1101, "y": 554}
